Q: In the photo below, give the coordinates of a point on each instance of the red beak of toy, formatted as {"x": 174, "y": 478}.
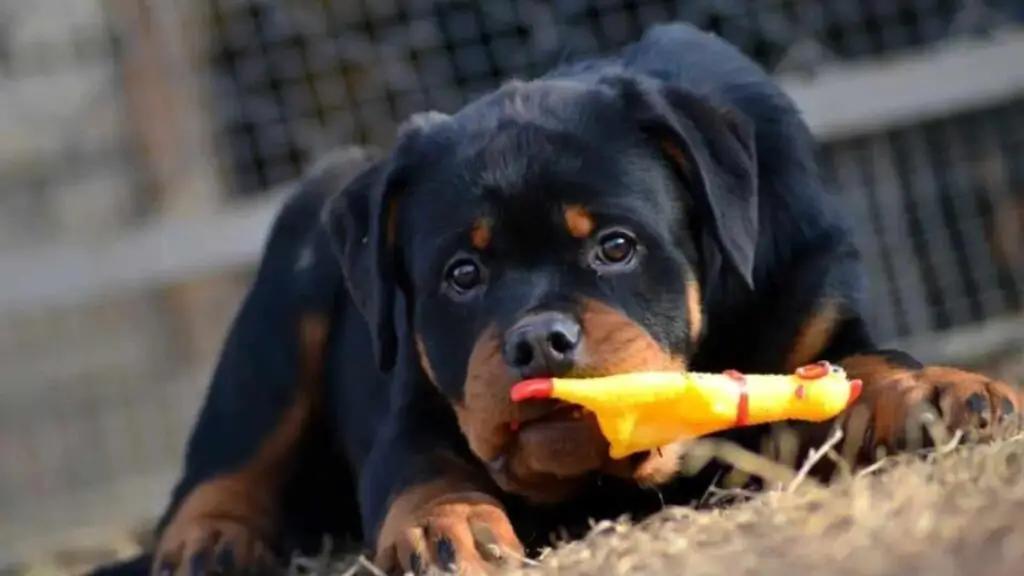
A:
{"x": 533, "y": 389}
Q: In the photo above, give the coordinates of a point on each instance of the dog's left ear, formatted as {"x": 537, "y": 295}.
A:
{"x": 714, "y": 150}
{"x": 364, "y": 221}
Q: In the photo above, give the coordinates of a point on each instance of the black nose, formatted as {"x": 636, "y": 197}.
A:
{"x": 543, "y": 344}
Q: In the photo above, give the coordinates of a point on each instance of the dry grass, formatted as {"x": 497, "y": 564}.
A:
{"x": 955, "y": 511}
{"x": 960, "y": 512}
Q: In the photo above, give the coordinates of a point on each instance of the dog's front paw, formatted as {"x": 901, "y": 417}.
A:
{"x": 892, "y": 414}
{"x": 213, "y": 546}
{"x": 219, "y": 529}
{"x": 969, "y": 402}
{"x": 463, "y": 533}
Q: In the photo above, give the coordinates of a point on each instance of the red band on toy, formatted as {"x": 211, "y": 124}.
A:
{"x": 533, "y": 389}
{"x": 743, "y": 407}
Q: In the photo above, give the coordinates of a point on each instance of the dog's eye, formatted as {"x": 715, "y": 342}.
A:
{"x": 615, "y": 248}
{"x": 463, "y": 275}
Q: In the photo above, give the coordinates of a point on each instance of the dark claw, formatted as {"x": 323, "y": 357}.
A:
{"x": 197, "y": 564}
{"x": 166, "y": 568}
{"x": 445, "y": 552}
{"x": 416, "y": 563}
{"x": 225, "y": 561}
{"x": 979, "y": 404}
{"x": 869, "y": 436}
{"x": 499, "y": 464}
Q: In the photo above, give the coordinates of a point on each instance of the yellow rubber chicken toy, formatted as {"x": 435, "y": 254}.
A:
{"x": 642, "y": 411}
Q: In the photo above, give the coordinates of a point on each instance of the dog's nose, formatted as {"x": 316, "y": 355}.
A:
{"x": 543, "y": 344}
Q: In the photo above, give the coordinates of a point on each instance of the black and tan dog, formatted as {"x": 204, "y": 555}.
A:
{"x": 655, "y": 210}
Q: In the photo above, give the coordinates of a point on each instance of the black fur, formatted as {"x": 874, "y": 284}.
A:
{"x": 750, "y": 219}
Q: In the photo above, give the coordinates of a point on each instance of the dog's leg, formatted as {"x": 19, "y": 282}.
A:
{"x": 430, "y": 505}
{"x": 891, "y": 414}
{"x": 889, "y": 417}
{"x": 262, "y": 399}
{"x": 448, "y": 523}
{"x": 829, "y": 326}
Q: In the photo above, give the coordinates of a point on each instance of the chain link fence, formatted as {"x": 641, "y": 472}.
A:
{"x": 145, "y": 144}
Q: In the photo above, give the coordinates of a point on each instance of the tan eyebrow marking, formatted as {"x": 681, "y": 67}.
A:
{"x": 480, "y": 234}
{"x": 578, "y": 221}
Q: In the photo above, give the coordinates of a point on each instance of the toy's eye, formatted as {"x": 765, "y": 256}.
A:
{"x": 838, "y": 370}
{"x": 615, "y": 248}
{"x": 813, "y": 371}
{"x": 463, "y": 275}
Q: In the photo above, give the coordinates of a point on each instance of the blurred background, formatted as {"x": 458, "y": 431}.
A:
{"x": 146, "y": 144}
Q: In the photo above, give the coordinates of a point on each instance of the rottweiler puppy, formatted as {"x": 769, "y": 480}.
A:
{"x": 654, "y": 210}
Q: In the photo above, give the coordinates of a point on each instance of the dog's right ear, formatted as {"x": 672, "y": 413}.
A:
{"x": 364, "y": 220}
{"x": 716, "y": 150}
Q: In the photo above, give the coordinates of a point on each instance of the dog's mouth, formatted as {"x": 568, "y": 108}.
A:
{"x": 540, "y": 412}
{"x": 552, "y": 439}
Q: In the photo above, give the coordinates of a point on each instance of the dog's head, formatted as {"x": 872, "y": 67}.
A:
{"x": 551, "y": 228}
